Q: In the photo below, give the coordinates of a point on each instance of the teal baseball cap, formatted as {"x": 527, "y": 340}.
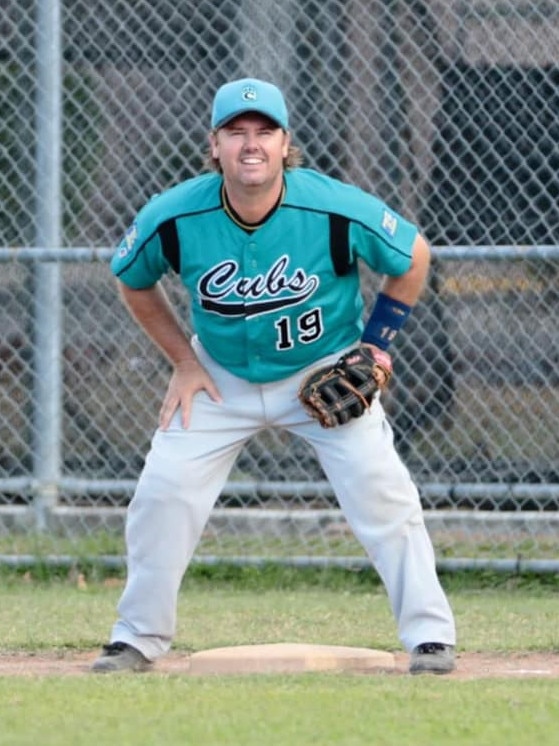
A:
{"x": 245, "y": 95}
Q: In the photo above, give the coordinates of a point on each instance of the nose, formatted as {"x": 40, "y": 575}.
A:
{"x": 251, "y": 140}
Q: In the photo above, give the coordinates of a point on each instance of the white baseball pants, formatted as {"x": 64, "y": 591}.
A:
{"x": 185, "y": 471}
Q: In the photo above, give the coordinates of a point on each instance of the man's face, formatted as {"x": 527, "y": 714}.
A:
{"x": 251, "y": 150}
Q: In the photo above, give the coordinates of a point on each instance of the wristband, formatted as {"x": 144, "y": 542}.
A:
{"x": 386, "y": 320}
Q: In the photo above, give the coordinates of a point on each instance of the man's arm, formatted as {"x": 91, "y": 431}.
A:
{"x": 152, "y": 311}
{"x": 396, "y": 298}
{"x": 407, "y": 288}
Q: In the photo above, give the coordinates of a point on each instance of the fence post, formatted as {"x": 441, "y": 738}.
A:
{"x": 47, "y": 289}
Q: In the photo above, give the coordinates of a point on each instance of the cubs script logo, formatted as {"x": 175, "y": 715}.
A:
{"x": 224, "y": 291}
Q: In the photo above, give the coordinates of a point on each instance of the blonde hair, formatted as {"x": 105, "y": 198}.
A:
{"x": 294, "y": 160}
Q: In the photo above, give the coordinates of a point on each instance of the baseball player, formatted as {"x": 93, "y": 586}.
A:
{"x": 268, "y": 252}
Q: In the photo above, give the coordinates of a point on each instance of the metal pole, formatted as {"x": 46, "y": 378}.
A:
{"x": 47, "y": 288}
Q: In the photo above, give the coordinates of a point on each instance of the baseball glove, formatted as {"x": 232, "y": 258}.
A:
{"x": 336, "y": 394}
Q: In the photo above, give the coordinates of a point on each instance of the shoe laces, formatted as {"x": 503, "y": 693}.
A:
{"x": 430, "y": 648}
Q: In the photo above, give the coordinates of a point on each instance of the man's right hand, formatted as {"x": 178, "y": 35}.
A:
{"x": 188, "y": 378}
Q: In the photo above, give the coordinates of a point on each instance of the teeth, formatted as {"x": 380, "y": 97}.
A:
{"x": 252, "y": 161}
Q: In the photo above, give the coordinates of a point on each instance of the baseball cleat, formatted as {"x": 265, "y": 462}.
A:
{"x": 119, "y": 656}
{"x": 432, "y": 657}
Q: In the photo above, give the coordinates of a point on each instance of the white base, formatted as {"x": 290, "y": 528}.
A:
{"x": 289, "y": 658}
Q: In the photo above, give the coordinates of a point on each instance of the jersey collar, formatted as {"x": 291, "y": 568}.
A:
{"x": 249, "y": 227}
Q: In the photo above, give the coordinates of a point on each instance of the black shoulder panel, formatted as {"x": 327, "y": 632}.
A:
{"x": 169, "y": 238}
{"x": 339, "y": 244}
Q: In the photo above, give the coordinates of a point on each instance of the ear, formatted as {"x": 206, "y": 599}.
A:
{"x": 212, "y": 139}
{"x": 286, "y": 144}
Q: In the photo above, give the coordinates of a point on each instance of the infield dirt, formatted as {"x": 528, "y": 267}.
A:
{"x": 469, "y": 665}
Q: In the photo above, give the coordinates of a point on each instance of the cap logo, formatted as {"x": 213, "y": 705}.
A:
{"x": 249, "y": 93}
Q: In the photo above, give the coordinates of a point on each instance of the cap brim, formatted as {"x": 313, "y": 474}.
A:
{"x": 248, "y": 110}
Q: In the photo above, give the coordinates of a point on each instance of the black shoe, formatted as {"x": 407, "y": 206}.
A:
{"x": 432, "y": 657}
{"x": 119, "y": 656}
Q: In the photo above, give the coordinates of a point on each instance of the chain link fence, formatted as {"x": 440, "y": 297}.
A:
{"x": 449, "y": 111}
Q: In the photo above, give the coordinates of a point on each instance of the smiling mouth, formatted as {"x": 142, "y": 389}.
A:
{"x": 252, "y": 161}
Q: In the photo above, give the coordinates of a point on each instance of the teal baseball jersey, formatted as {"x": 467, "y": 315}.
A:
{"x": 268, "y": 301}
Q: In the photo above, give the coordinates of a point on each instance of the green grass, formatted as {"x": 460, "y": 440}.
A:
{"x": 287, "y": 711}
{"x": 447, "y": 544}
{"x": 61, "y": 613}
{"x": 224, "y": 605}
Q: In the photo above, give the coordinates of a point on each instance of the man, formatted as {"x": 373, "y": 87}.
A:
{"x": 268, "y": 252}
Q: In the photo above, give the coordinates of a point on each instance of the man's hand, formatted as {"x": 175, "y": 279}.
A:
{"x": 188, "y": 377}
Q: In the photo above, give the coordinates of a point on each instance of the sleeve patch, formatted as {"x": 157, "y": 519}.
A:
{"x": 127, "y": 243}
{"x": 389, "y": 223}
